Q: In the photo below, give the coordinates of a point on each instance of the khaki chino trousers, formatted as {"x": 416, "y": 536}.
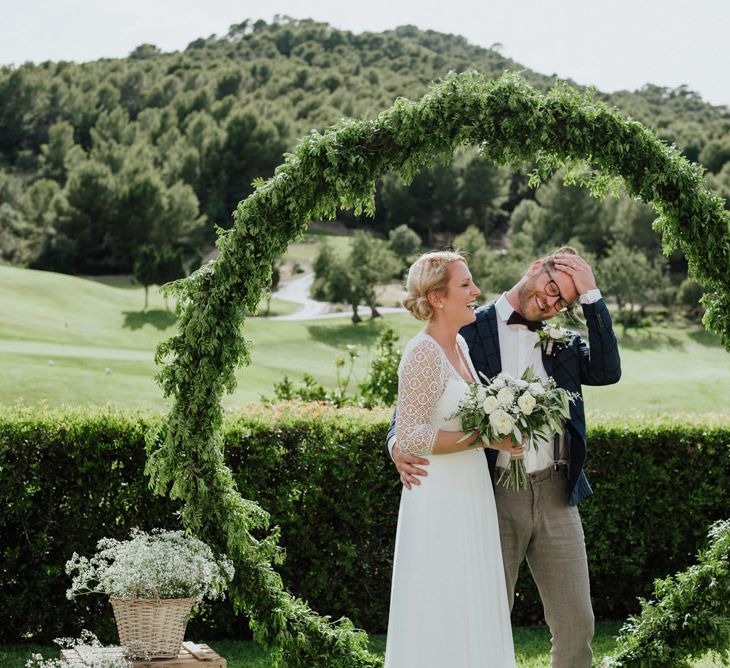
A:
{"x": 539, "y": 525}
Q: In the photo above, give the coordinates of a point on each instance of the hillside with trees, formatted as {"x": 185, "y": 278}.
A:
{"x": 101, "y": 160}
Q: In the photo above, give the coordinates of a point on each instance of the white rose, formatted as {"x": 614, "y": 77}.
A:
{"x": 535, "y": 389}
{"x": 490, "y": 405}
{"x": 526, "y": 403}
{"x": 501, "y": 421}
{"x": 505, "y": 397}
{"x": 522, "y": 384}
{"x": 499, "y": 382}
{"x": 557, "y": 332}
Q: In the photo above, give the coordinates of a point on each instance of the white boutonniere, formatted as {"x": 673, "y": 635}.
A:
{"x": 553, "y": 339}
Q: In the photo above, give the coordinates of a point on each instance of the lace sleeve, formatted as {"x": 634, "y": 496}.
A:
{"x": 420, "y": 385}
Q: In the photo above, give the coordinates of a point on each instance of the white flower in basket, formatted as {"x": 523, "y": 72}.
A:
{"x": 153, "y": 581}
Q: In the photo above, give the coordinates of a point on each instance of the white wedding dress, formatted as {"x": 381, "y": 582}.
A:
{"x": 448, "y": 606}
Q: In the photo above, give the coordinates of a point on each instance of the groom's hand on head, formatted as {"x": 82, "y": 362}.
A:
{"x": 407, "y": 466}
{"x": 578, "y": 270}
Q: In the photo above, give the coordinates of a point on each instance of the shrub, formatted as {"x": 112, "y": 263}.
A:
{"x": 66, "y": 480}
{"x": 691, "y": 613}
{"x": 69, "y": 478}
{"x": 688, "y": 297}
{"x": 380, "y": 387}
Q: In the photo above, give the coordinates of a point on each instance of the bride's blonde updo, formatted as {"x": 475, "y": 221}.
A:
{"x": 429, "y": 273}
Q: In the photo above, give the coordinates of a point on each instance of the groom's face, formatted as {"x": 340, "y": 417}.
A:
{"x": 545, "y": 292}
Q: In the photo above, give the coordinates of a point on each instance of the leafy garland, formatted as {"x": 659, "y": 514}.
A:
{"x": 512, "y": 124}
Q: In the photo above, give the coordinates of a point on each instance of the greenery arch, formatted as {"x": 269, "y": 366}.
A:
{"x": 511, "y": 124}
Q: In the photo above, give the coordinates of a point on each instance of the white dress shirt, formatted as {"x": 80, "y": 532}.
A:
{"x": 518, "y": 349}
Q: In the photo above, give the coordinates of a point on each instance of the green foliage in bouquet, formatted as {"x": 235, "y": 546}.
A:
{"x": 511, "y": 124}
{"x": 689, "y": 616}
{"x": 525, "y": 409}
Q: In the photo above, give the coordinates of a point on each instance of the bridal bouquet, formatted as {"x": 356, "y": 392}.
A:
{"x": 525, "y": 408}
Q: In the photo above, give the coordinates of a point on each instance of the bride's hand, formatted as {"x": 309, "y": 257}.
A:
{"x": 508, "y": 445}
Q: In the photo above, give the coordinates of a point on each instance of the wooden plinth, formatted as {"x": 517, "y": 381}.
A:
{"x": 190, "y": 656}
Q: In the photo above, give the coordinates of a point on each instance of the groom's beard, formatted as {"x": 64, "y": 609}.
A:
{"x": 528, "y": 296}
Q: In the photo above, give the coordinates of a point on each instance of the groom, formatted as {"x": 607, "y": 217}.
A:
{"x": 541, "y": 523}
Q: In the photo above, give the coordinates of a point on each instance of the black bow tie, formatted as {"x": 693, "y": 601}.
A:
{"x": 517, "y": 319}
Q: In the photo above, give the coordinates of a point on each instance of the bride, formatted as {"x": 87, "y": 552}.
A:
{"x": 448, "y": 603}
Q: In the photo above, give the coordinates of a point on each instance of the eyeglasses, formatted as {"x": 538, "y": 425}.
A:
{"x": 552, "y": 290}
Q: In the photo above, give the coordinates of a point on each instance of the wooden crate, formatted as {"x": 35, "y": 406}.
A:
{"x": 190, "y": 656}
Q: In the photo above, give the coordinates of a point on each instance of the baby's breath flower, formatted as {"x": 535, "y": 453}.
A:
{"x": 87, "y": 647}
{"x": 161, "y": 564}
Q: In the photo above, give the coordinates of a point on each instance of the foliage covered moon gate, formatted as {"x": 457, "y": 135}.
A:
{"x": 511, "y": 124}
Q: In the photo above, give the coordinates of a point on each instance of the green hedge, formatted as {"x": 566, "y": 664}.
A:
{"x": 67, "y": 479}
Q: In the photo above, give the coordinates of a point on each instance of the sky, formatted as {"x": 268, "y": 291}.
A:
{"x": 610, "y": 44}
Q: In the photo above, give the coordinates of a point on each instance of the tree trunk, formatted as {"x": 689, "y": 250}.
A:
{"x": 355, "y": 317}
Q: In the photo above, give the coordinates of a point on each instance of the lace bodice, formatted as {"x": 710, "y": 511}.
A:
{"x": 429, "y": 392}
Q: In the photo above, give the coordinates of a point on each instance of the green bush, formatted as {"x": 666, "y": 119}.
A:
{"x": 69, "y": 478}
{"x": 689, "y": 296}
{"x": 380, "y": 387}
{"x": 691, "y": 613}
{"x": 66, "y": 480}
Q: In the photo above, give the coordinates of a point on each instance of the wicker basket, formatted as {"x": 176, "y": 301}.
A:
{"x": 157, "y": 624}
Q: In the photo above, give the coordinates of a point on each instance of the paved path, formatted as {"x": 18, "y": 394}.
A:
{"x": 297, "y": 290}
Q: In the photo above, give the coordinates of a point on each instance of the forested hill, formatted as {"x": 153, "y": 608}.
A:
{"x": 100, "y": 158}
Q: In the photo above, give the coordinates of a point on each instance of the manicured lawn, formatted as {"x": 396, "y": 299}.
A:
{"x": 532, "y": 645}
{"x": 67, "y": 340}
{"x": 304, "y": 251}
{"x": 666, "y": 370}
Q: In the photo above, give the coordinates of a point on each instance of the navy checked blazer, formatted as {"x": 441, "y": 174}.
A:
{"x": 573, "y": 365}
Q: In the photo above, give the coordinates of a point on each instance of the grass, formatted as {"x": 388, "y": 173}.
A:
{"x": 666, "y": 370}
{"x": 67, "y": 340}
{"x": 303, "y": 252}
{"x": 532, "y": 645}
